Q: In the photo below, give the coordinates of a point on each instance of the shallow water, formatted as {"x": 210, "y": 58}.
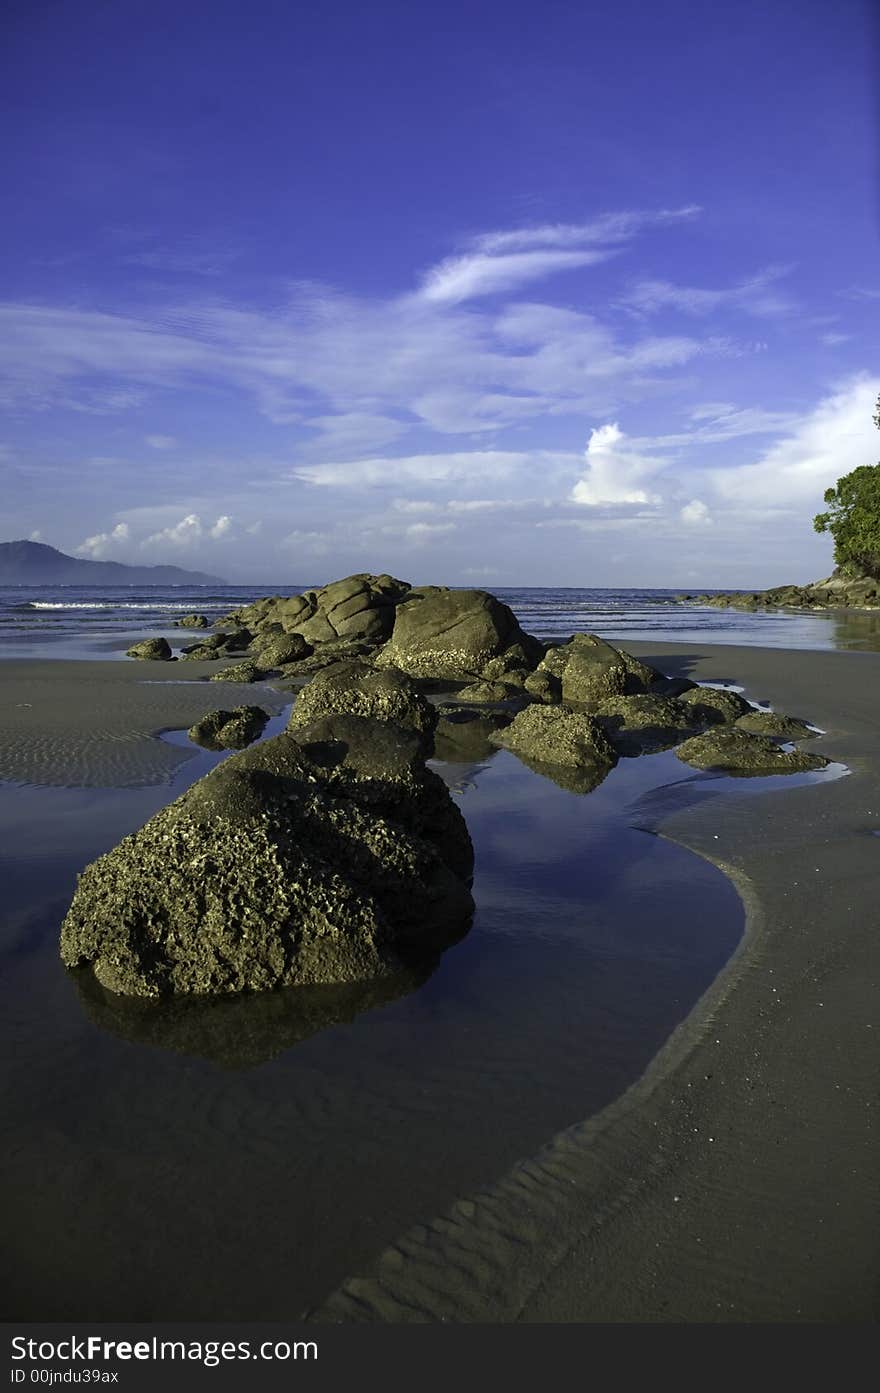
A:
{"x": 240, "y": 1161}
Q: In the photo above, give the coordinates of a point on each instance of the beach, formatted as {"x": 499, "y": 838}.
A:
{"x": 736, "y": 1181}
{"x": 732, "y": 1179}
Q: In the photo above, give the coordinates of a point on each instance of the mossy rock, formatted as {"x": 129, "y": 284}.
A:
{"x": 733, "y": 751}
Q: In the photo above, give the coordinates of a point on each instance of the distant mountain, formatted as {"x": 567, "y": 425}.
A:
{"x": 32, "y": 563}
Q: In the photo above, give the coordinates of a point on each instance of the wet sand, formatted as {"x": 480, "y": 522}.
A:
{"x": 91, "y": 724}
{"x": 737, "y": 1180}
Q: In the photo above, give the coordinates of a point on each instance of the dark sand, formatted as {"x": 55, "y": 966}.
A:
{"x": 737, "y": 1180}
{"x": 91, "y": 724}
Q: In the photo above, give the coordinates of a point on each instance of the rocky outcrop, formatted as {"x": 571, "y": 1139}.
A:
{"x": 151, "y": 650}
{"x": 834, "y": 592}
{"x": 327, "y": 854}
{"x": 229, "y": 730}
{"x": 733, "y": 751}
{"x": 456, "y": 635}
{"x": 280, "y": 648}
{"x": 358, "y": 609}
{"x": 192, "y": 621}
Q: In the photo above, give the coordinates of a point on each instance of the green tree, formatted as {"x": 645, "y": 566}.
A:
{"x": 853, "y": 518}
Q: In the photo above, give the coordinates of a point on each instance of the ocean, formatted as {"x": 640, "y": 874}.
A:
{"x": 79, "y": 621}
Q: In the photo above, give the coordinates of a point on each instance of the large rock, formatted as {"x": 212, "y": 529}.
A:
{"x": 589, "y": 670}
{"x": 463, "y": 736}
{"x": 151, "y": 650}
{"x": 192, "y": 621}
{"x": 453, "y": 635}
{"x": 357, "y": 688}
{"x": 332, "y": 855}
{"x": 733, "y": 751}
{"x": 357, "y": 609}
{"x": 553, "y": 735}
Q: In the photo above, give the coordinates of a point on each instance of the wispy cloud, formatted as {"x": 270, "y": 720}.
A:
{"x": 837, "y": 436}
{"x": 756, "y": 296}
{"x": 505, "y": 260}
{"x": 161, "y": 442}
{"x": 389, "y": 471}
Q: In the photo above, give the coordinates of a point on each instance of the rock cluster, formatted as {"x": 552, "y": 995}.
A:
{"x": 332, "y": 853}
{"x": 834, "y": 592}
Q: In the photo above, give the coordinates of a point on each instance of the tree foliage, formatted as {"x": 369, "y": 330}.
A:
{"x": 853, "y": 518}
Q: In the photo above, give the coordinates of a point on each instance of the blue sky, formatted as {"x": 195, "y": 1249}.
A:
{"x": 506, "y": 293}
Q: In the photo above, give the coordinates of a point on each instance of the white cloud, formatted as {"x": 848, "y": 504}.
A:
{"x": 834, "y": 340}
{"x": 161, "y": 442}
{"x": 696, "y": 514}
{"x": 837, "y": 436}
{"x": 615, "y": 472}
{"x": 97, "y": 546}
{"x": 36, "y": 535}
{"x": 254, "y": 529}
{"x": 182, "y": 534}
{"x": 222, "y": 527}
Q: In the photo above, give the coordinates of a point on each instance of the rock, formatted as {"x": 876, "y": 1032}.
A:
{"x": 642, "y": 723}
{"x": 589, "y": 670}
{"x": 451, "y": 635}
{"x": 192, "y": 621}
{"x": 210, "y": 642}
{"x": 553, "y": 735}
{"x": 356, "y": 688}
{"x": 672, "y": 686}
{"x": 200, "y": 653}
{"x": 715, "y": 705}
{"x": 291, "y": 863}
{"x": 486, "y": 693}
{"x": 775, "y": 725}
{"x": 229, "y": 730}
{"x": 151, "y": 649}
{"x": 543, "y": 685}
{"x": 240, "y": 672}
{"x": 282, "y": 649}
{"x": 737, "y": 752}
{"x": 357, "y": 609}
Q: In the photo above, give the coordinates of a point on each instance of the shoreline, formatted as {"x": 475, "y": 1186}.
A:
{"x": 776, "y": 1216}
{"x": 736, "y": 1180}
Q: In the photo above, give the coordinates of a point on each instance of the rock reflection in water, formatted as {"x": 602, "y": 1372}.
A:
{"x": 239, "y": 1032}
